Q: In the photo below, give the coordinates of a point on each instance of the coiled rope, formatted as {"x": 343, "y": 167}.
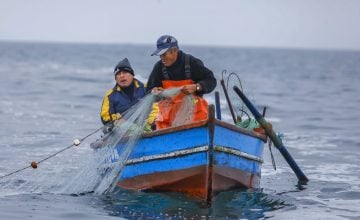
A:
{"x": 35, "y": 164}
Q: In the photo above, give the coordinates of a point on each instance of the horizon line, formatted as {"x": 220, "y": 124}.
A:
{"x": 345, "y": 49}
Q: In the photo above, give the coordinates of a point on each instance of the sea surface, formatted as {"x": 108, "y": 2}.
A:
{"x": 51, "y": 93}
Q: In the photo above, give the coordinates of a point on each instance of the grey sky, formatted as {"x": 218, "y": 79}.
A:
{"x": 328, "y": 24}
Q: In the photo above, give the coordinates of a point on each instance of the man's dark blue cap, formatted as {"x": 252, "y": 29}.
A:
{"x": 164, "y": 43}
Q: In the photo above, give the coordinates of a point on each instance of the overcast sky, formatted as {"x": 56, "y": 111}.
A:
{"x": 327, "y": 24}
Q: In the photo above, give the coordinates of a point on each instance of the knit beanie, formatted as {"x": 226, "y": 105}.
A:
{"x": 124, "y": 65}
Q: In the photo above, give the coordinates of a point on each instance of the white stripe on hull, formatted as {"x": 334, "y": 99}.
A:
{"x": 192, "y": 151}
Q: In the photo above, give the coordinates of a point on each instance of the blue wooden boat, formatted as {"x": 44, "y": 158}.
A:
{"x": 199, "y": 159}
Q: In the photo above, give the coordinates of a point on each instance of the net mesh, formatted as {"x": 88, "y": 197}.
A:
{"x": 118, "y": 145}
{"x": 83, "y": 170}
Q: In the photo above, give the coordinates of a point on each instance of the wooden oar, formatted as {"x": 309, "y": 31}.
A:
{"x": 273, "y": 137}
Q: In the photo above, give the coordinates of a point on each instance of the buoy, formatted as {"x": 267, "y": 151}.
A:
{"x": 34, "y": 164}
{"x": 77, "y": 142}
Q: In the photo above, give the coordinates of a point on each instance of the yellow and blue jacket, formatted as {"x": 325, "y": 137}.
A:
{"x": 116, "y": 101}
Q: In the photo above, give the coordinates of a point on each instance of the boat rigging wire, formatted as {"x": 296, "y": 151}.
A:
{"x": 241, "y": 88}
{"x": 241, "y": 109}
{"x": 227, "y": 96}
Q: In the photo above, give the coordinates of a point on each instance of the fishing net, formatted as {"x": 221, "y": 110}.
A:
{"x": 86, "y": 170}
{"x": 116, "y": 146}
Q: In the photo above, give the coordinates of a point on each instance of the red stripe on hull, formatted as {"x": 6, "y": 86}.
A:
{"x": 192, "y": 181}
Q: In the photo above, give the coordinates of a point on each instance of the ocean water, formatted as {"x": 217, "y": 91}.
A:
{"x": 51, "y": 94}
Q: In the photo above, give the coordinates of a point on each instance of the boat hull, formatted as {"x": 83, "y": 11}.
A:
{"x": 192, "y": 181}
{"x": 199, "y": 159}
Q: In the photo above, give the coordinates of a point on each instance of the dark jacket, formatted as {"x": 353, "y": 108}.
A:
{"x": 118, "y": 100}
{"x": 199, "y": 73}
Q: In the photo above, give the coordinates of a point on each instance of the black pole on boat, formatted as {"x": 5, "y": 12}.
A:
{"x": 273, "y": 137}
{"x": 217, "y": 105}
{"x": 228, "y": 100}
{"x": 211, "y": 127}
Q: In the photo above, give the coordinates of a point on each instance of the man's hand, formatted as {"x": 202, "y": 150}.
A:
{"x": 116, "y": 116}
{"x": 189, "y": 89}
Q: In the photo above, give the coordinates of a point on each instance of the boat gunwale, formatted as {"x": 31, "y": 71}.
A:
{"x": 204, "y": 123}
{"x": 232, "y": 127}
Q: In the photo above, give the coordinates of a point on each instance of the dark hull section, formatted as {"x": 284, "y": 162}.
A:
{"x": 192, "y": 181}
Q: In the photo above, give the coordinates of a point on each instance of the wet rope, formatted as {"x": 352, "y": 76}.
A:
{"x": 241, "y": 88}
{"x": 271, "y": 153}
{"x": 34, "y": 164}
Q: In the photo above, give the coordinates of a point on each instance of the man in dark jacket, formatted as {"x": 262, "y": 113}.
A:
{"x": 126, "y": 92}
{"x": 176, "y": 65}
{"x": 180, "y": 70}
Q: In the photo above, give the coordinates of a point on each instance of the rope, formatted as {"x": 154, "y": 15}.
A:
{"x": 272, "y": 156}
{"x": 34, "y": 164}
{"x": 241, "y": 88}
{"x": 229, "y": 78}
{"x": 9, "y": 174}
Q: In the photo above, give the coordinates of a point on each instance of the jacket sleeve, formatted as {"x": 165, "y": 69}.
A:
{"x": 155, "y": 78}
{"x": 105, "y": 112}
{"x": 202, "y": 75}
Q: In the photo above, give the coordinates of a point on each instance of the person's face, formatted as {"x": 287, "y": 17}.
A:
{"x": 169, "y": 57}
{"x": 124, "y": 79}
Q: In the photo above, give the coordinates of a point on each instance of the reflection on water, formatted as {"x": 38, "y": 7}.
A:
{"x": 235, "y": 204}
